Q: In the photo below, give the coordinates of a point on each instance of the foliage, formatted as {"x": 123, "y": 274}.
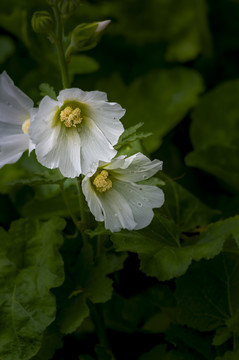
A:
{"x": 169, "y": 291}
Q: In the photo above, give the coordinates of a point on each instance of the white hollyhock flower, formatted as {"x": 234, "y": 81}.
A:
{"x": 15, "y": 114}
{"x": 76, "y": 131}
{"x": 114, "y": 196}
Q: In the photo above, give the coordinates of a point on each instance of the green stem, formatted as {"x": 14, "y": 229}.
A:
{"x": 97, "y": 318}
{"x": 60, "y": 48}
{"x": 82, "y": 206}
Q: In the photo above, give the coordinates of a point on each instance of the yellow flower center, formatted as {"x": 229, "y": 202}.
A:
{"x": 102, "y": 182}
{"x": 25, "y": 126}
{"x": 71, "y": 117}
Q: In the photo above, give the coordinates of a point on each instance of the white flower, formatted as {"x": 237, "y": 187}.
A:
{"x": 15, "y": 114}
{"x": 77, "y": 131}
{"x": 114, "y": 197}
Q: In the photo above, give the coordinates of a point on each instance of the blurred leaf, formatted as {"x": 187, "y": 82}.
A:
{"x": 215, "y": 119}
{"x": 31, "y": 262}
{"x": 229, "y": 355}
{"x": 160, "y": 99}
{"x": 82, "y": 64}
{"x": 220, "y": 161}
{"x": 7, "y": 47}
{"x": 46, "y": 89}
{"x": 214, "y": 134}
{"x": 16, "y": 23}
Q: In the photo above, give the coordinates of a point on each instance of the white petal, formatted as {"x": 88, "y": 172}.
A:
{"x": 12, "y": 96}
{"x": 117, "y": 212}
{"x": 81, "y": 96}
{"x": 135, "y": 168}
{"x": 106, "y": 116}
{"x": 41, "y": 131}
{"x": 142, "y": 199}
{"x": 95, "y": 146}
{"x": 92, "y": 199}
{"x": 110, "y": 206}
{"x": 12, "y": 147}
{"x": 102, "y": 25}
{"x": 65, "y": 154}
{"x": 9, "y": 129}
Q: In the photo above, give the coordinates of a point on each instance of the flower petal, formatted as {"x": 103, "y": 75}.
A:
{"x": 92, "y": 199}
{"x": 134, "y": 168}
{"x": 9, "y": 153}
{"x": 117, "y": 212}
{"x": 106, "y": 116}
{"x": 81, "y": 96}
{"x": 95, "y": 146}
{"x": 142, "y": 199}
{"x": 14, "y": 98}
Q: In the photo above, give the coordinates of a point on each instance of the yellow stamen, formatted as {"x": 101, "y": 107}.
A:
{"x": 101, "y": 182}
{"x": 25, "y": 126}
{"x": 71, "y": 117}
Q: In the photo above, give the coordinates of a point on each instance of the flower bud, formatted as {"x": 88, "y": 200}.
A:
{"x": 42, "y": 22}
{"x": 86, "y": 36}
{"x": 68, "y": 7}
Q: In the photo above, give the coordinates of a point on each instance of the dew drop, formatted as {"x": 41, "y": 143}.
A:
{"x": 139, "y": 204}
{"x": 144, "y": 176}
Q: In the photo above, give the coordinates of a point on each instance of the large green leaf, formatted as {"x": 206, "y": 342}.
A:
{"x": 218, "y": 160}
{"x": 214, "y": 134}
{"x": 160, "y": 99}
{"x": 163, "y": 255}
{"x": 210, "y": 290}
{"x": 30, "y": 266}
{"x": 89, "y": 283}
{"x": 167, "y": 247}
{"x": 215, "y": 119}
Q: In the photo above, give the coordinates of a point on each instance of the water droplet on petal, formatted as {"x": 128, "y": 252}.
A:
{"x": 139, "y": 204}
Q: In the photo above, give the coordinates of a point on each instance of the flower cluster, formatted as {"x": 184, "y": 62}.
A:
{"x": 76, "y": 134}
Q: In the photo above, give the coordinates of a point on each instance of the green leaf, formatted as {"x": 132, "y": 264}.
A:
{"x": 210, "y": 291}
{"x": 186, "y": 338}
{"x": 229, "y": 355}
{"x": 52, "y": 340}
{"x": 215, "y": 119}
{"x": 82, "y": 64}
{"x": 149, "y": 311}
{"x": 161, "y": 352}
{"x": 47, "y": 89}
{"x": 160, "y": 99}
{"x": 90, "y": 283}
{"x": 129, "y": 136}
{"x": 218, "y": 160}
{"x": 16, "y": 23}
{"x": 31, "y": 263}
{"x": 167, "y": 247}
{"x": 214, "y": 134}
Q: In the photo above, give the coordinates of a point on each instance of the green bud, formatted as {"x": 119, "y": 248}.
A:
{"x": 68, "y": 7}
{"x": 42, "y": 22}
{"x": 86, "y": 36}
